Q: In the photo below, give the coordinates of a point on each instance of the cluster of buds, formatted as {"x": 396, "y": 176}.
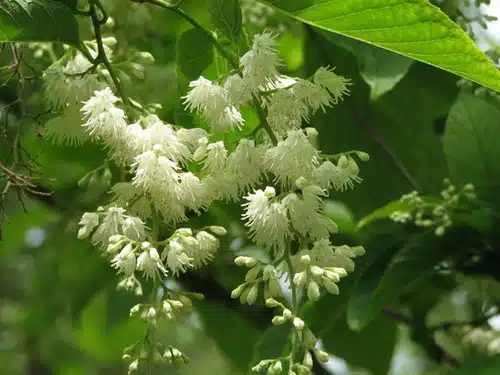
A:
{"x": 167, "y": 309}
{"x": 258, "y": 274}
{"x": 427, "y": 213}
{"x": 158, "y": 353}
{"x": 312, "y": 276}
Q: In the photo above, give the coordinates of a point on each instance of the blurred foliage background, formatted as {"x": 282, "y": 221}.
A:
{"x": 417, "y": 303}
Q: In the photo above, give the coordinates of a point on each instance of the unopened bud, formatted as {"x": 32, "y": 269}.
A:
{"x": 322, "y": 356}
{"x": 363, "y": 156}
{"x": 271, "y": 302}
{"x": 298, "y": 324}
{"x": 278, "y": 320}
{"x": 238, "y": 291}
{"x": 313, "y": 291}
{"x": 308, "y": 361}
{"x": 287, "y": 314}
{"x": 218, "y": 230}
{"x": 252, "y": 294}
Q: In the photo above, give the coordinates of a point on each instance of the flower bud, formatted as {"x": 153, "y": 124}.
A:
{"x": 176, "y": 304}
{"x": 145, "y": 245}
{"x": 252, "y": 294}
{"x": 300, "y": 278}
{"x": 305, "y": 259}
{"x": 271, "y": 302}
{"x": 144, "y": 57}
{"x": 250, "y": 262}
{"x": 167, "y": 307}
{"x": 278, "y": 320}
{"x": 313, "y": 291}
{"x": 363, "y": 156}
{"x": 151, "y": 314}
{"x": 83, "y": 233}
{"x": 298, "y": 324}
{"x": 218, "y": 230}
{"x": 308, "y": 361}
{"x": 109, "y": 41}
{"x": 322, "y": 356}
{"x": 287, "y": 314}
{"x": 240, "y": 261}
{"x": 274, "y": 288}
{"x": 135, "y": 309}
{"x": 316, "y": 271}
{"x": 238, "y": 291}
{"x": 127, "y": 357}
{"x": 330, "y": 286}
{"x": 132, "y": 368}
{"x": 252, "y": 274}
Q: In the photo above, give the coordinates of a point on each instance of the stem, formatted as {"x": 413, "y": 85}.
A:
{"x": 163, "y": 4}
{"x": 295, "y": 306}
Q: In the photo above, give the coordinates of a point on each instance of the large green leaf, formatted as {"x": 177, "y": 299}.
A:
{"x": 194, "y": 53}
{"x": 226, "y": 16}
{"x": 37, "y": 20}
{"x": 410, "y": 265}
{"x": 471, "y": 144}
{"x": 413, "y": 28}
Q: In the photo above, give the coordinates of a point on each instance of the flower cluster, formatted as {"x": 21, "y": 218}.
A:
{"x": 430, "y": 213}
{"x": 175, "y": 172}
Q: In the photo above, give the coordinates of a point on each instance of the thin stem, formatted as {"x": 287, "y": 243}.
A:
{"x": 295, "y": 306}
{"x": 173, "y": 7}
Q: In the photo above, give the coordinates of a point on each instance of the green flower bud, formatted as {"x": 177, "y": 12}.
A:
{"x": 313, "y": 291}
{"x": 252, "y": 294}
{"x": 218, "y": 230}
{"x": 252, "y": 274}
{"x": 298, "y": 324}
{"x": 322, "y": 356}
{"x": 287, "y": 314}
{"x": 238, "y": 291}
{"x": 330, "y": 286}
{"x": 308, "y": 361}
{"x": 271, "y": 302}
{"x": 363, "y": 156}
{"x": 278, "y": 320}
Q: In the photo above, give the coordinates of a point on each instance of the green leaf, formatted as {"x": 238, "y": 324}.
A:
{"x": 383, "y": 212}
{"x": 413, "y": 28}
{"x": 380, "y": 69}
{"x": 37, "y": 20}
{"x": 480, "y": 366}
{"x": 226, "y": 16}
{"x": 346, "y": 344}
{"x": 471, "y": 144}
{"x": 191, "y": 62}
{"x": 71, "y": 4}
{"x": 410, "y": 265}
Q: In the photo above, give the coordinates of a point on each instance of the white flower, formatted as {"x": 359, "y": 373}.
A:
{"x": 237, "y": 90}
{"x": 245, "y": 164}
{"x": 337, "y": 85}
{"x": 109, "y": 126}
{"x": 102, "y": 101}
{"x": 327, "y": 255}
{"x": 215, "y": 160}
{"x": 154, "y": 173}
{"x": 149, "y": 262}
{"x": 133, "y": 228}
{"x": 159, "y": 133}
{"x": 110, "y": 225}
{"x": 89, "y": 221}
{"x": 194, "y": 194}
{"x": 176, "y": 258}
{"x": 315, "y": 96}
{"x": 125, "y": 261}
{"x": 291, "y": 158}
{"x": 190, "y": 137}
{"x": 285, "y": 111}
{"x": 267, "y": 220}
{"x": 260, "y": 64}
{"x": 213, "y": 102}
